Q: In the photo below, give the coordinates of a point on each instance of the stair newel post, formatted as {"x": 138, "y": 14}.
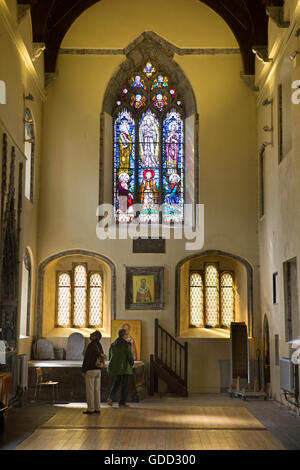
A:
{"x": 166, "y": 361}
{"x": 186, "y": 364}
{"x": 151, "y": 376}
{"x": 171, "y": 353}
{"x": 180, "y": 362}
{"x": 156, "y": 340}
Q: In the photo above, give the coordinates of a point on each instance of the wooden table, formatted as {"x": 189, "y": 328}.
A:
{"x": 72, "y": 384}
{"x": 5, "y": 390}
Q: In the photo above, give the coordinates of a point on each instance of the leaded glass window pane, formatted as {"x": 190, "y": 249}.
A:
{"x": 149, "y": 174}
{"x": 124, "y": 166}
{"x": 227, "y": 299}
{"x": 95, "y": 300}
{"x": 80, "y": 296}
{"x": 211, "y": 296}
{"x": 64, "y": 299}
{"x": 173, "y": 167}
{"x": 196, "y": 300}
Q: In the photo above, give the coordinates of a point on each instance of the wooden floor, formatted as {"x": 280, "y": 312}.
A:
{"x": 152, "y": 427}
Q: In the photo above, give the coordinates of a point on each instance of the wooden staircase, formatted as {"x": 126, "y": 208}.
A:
{"x": 169, "y": 363}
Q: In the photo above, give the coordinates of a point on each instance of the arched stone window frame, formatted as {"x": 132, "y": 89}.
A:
{"x": 149, "y": 47}
{"x": 249, "y": 288}
{"x": 219, "y": 291}
{"x": 72, "y": 297}
{"x": 39, "y": 320}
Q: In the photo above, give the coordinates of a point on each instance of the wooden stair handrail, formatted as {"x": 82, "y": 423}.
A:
{"x": 174, "y": 344}
{"x": 171, "y": 336}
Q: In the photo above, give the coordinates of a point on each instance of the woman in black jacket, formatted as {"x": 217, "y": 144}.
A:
{"x": 91, "y": 371}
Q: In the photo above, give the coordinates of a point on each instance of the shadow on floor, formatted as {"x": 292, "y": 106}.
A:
{"x": 284, "y": 426}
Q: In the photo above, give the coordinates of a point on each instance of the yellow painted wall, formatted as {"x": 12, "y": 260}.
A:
{"x": 228, "y": 163}
{"x": 22, "y": 77}
{"x": 114, "y": 24}
{"x": 63, "y": 215}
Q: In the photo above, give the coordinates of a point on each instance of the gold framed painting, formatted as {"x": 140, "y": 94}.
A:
{"x": 144, "y": 288}
{"x": 134, "y": 329}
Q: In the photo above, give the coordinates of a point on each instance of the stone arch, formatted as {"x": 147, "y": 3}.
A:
{"x": 40, "y": 287}
{"x": 249, "y": 271}
{"x": 150, "y": 46}
{"x": 246, "y": 19}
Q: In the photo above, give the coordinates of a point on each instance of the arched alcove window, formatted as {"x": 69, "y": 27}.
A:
{"x": 211, "y": 297}
{"x": 29, "y": 153}
{"x": 149, "y": 148}
{"x": 79, "y": 298}
{"x": 26, "y": 295}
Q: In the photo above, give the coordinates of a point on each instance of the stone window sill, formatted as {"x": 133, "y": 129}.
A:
{"x": 66, "y": 332}
{"x": 205, "y": 333}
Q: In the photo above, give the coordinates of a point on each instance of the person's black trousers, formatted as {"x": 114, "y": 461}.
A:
{"x": 123, "y": 380}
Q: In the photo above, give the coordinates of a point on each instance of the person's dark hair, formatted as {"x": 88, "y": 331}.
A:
{"x": 122, "y": 332}
{"x": 97, "y": 335}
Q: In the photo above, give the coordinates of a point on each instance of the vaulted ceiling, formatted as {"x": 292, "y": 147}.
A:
{"x": 247, "y": 19}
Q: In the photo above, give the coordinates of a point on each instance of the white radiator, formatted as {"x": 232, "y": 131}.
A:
{"x": 287, "y": 382}
{"x": 22, "y": 371}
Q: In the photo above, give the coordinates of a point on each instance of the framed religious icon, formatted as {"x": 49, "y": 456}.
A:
{"x": 134, "y": 330}
{"x": 144, "y": 288}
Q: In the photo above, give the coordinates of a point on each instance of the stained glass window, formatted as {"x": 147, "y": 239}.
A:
{"x": 95, "y": 300}
{"x": 227, "y": 299}
{"x": 64, "y": 299}
{"x": 86, "y": 290}
{"x": 173, "y": 167}
{"x": 149, "y": 174}
{"x": 196, "y": 300}
{"x": 212, "y": 298}
{"x": 124, "y": 165}
{"x": 149, "y": 149}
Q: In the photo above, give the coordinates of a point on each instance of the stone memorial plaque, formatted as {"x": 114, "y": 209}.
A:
{"x": 44, "y": 350}
{"x": 149, "y": 245}
{"x": 75, "y": 347}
